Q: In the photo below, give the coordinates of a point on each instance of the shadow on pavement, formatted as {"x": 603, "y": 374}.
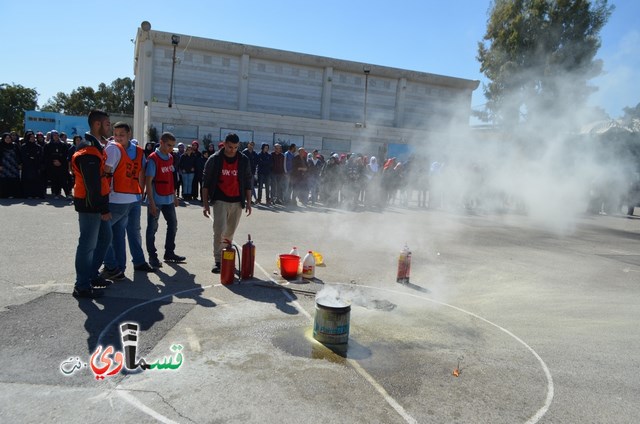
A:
{"x": 263, "y": 294}
{"x": 141, "y": 301}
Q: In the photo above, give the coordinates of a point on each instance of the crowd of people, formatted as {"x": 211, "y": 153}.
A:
{"x": 37, "y": 162}
{"x": 288, "y": 175}
{"x": 295, "y": 176}
{"x": 31, "y": 164}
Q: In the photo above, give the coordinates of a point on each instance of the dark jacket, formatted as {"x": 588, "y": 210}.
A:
{"x": 56, "y": 151}
{"x": 253, "y": 159}
{"x": 265, "y": 163}
{"x": 92, "y": 170}
{"x": 278, "y": 163}
{"x": 200, "y": 161}
{"x": 10, "y": 160}
{"x": 31, "y": 153}
{"x": 187, "y": 163}
{"x": 299, "y": 162}
{"x": 213, "y": 169}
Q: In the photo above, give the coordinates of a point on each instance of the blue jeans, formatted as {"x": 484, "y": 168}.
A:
{"x": 288, "y": 188}
{"x": 277, "y": 186}
{"x": 134, "y": 235}
{"x": 95, "y": 238}
{"x": 169, "y": 214}
{"x": 187, "y": 183}
{"x": 264, "y": 181}
{"x": 123, "y": 216}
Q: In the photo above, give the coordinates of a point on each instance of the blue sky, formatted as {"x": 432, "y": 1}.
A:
{"x": 59, "y": 46}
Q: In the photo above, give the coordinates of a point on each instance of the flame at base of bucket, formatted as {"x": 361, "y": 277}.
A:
{"x": 331, "y": 323}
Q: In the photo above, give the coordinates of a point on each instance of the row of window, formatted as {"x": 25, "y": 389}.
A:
{"x": 281, "y": 69}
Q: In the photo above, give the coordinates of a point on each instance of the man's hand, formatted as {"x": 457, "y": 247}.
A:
{"x": 153, "y": 210}
{"x": 206, "y": 211}
{"x": 106, "y": 216}
{"x": 248, "y": 208}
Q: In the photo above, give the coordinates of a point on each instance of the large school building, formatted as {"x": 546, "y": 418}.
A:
{"x": 201, "y": 88}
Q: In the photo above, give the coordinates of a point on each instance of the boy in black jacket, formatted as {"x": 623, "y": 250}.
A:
{"x": 91, "y": 201}
{"x": 227, "y": 185}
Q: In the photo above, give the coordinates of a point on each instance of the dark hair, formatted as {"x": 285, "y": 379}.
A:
{"x": 232, "y": 138}
{"x": 167, "y": 136}
{"x": 76, "y": 136}
{"x": 97, "y": 115}
{"x": 124, "y": 125}
{"x": 28, "y": 134}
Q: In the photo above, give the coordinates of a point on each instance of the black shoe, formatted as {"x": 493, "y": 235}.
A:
{"x": 110, "y": 274}
{"x": 216, "y": 268}
{"x": 172, "y": 257}
{"x": 144, "y": 267}
{"x": 101, "y": 283}
{"x": 88, "y": 293}
{"x": 155, "y": 263}
{"x": 118, "y": 277}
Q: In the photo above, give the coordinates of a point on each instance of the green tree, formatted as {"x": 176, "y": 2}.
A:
{"x": 14, "y": 100}
{"x": 539, "y": 55}
{"x": 79, "y": 102}
{"x": 117, "y": 97}
{"x": 114, "y": 98}
{"x": 56, "y": 103}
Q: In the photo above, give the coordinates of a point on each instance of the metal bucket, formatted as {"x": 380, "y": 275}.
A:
{"x": 331, "y": 323}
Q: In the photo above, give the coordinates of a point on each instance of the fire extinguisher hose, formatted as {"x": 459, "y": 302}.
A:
{"x": 235, "y": 246}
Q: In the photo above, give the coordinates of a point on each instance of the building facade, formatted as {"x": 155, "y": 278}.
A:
{"x": 202, "y": 88}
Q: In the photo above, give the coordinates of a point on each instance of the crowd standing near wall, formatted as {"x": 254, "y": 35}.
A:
{"x": 37, "y": 166}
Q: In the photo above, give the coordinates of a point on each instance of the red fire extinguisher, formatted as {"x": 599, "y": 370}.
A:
{"x": 228, "y": 264}
{"x": 248, "y": 259}
{"x": 404, "y": 265}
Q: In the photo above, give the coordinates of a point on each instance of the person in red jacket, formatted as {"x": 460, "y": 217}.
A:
{"x": 91, "y": 201}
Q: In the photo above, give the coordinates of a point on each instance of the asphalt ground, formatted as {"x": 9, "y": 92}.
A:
{"x": 540, "y": 322}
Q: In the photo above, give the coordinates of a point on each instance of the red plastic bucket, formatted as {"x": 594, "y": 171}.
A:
{"x": 289, "y": 266}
